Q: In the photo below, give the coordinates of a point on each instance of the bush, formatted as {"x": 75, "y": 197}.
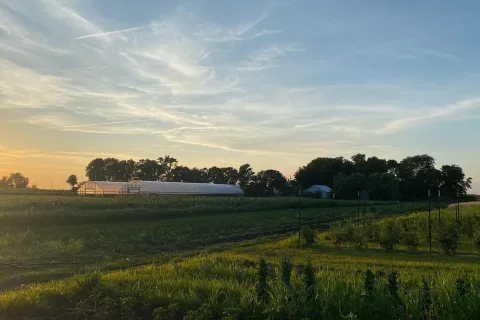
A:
{"x": 372, "y": 231}
{"x": 360, "y": 240}
{"x": 411, "y": 240}
{"x": 287, "y": 268}
{"x": 308, "y": 278}
{"x": 469, "y": 226}
{"x": 389, "y": 235}
{"x": 308, "y": 235}
{"x": 476, "y": 240}
{"x": 344, "y": 235}
{"x": 369, "y": 284}
{"x": 448, "y": 238}
{"x": 262, "y": 285}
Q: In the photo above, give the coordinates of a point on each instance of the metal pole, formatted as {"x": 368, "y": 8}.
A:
{"x": 358, "y": 206}
{"x": 299, "y": 225}
{"x": 438, "y": 203}
{"x": 456, "y": 209}
{"x": 333, "y": 202}
{"x": 429, "y": 220}
{"x": 458, "y": 199}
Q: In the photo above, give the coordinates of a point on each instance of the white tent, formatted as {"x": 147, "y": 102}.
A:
{"x": 319, "y": 189}
{"x": 101, "y": 188}
{"x": 159, "y": 187}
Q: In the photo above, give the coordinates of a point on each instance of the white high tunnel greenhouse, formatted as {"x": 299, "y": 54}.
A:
{"x": 157, "y": 187}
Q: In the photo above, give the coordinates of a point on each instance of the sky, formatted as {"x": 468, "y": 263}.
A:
{"x": 273, "y": 83}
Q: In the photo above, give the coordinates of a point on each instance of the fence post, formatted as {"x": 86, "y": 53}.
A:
{"x": 429, "y": 220}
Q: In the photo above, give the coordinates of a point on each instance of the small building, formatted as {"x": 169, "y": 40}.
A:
{"x": 319, "y": 190}
{"x": 100, "y": 188}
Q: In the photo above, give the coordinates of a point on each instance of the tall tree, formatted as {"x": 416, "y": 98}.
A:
{"x": 167, "y": 164}
{"x": 359, "y": 162}
{"x": 231, "y": 175}
{"x": 217, "y": 175}
{"x": 72, "y": 180}
{"x": 453, "y": 180}
{"x": 148, "y": 170}
{"x": 129, "y": 169}
{"x": 245, "y": 175}
{"x": 112, "y": 169}
{"x": 18, "y": 181}
{"x": 374, "y": 164}
{"x": 383, "y": 186}
{"x": 270, "y": 181}
{"x": 323, "y": 171}
{"x": 95, "y": 171}
{"x": 5, "y": 183}
{"x": 417, "y": 174}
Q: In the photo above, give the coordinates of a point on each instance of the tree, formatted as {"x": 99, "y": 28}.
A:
{"x": 267, "y": 183}
{"x": 375, "y": 164}
{"x": 217, "y": 175}
{"x": 452, "y": 179}
{"x": 112, "y": 169}
{"x": 167, "y": 164}
{"x": 245, "y": 175}
{"x": 347, "y": 186}
{"x": 323, "y": 171}
{"x": 5, "y": 183}
{"x": 95, "y": 170}
{"x": 148, "y": 170}
{"x": 72, "y": 180}
{"x": 18, "y": 181}
{"x": 417, "y": 174}
{"x": 359, "y": 162}
{"x": 383, "y": 186}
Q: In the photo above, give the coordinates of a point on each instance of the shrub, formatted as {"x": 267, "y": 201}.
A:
{"x": 205, "y": 312}
{"x": 287, "y": 267}
{"x": 389, "y": 235}
{"x": 308, "y": 278}
{"x": 469, "y": 225}
{"x": 360, "y": 240}
{"x": 411, "y": 240}
{"x": 372, "y": 231}
{"x": 344, "y": 235}
{"x": 262, "y": 285}
{"x": 476, "y": 240}
{"x": 461, "y": 285}
{"x": 308, "y": 235}
{"x": 448, "y": 238}
{"x": 427, "y": 299}
{"x": 393, "y": 288}
{"x": 166, "y": 314}
{"x": 369, "y": 284}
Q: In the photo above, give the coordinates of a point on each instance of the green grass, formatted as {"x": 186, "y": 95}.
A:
{"x": 207, "y": 261}
{"x": 63, "y": 210}
{"x": 225, "y": 280}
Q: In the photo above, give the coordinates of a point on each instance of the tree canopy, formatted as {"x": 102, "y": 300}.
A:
{"x": 15, "y": 180}
{"x": 383, "y": 179}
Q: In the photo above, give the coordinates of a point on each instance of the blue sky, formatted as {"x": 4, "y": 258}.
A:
{"x": 273, "y": 83}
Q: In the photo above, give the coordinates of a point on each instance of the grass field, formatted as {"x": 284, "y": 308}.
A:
{"x": 202, "y": 263}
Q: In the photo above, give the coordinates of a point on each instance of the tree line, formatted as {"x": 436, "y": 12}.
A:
{"x": 383, "y": 179}
{"x": 168, "y": 169}
{"x": 409, "y": 179}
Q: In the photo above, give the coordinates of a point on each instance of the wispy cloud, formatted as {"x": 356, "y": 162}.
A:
{"x": 101, "y": 124}
{"x": 109, "y": 33}
{"x": 423, "y": 116}
{"x": 255, "y": 88}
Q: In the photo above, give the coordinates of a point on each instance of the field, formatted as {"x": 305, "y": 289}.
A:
{"x": 176, "y": 257}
